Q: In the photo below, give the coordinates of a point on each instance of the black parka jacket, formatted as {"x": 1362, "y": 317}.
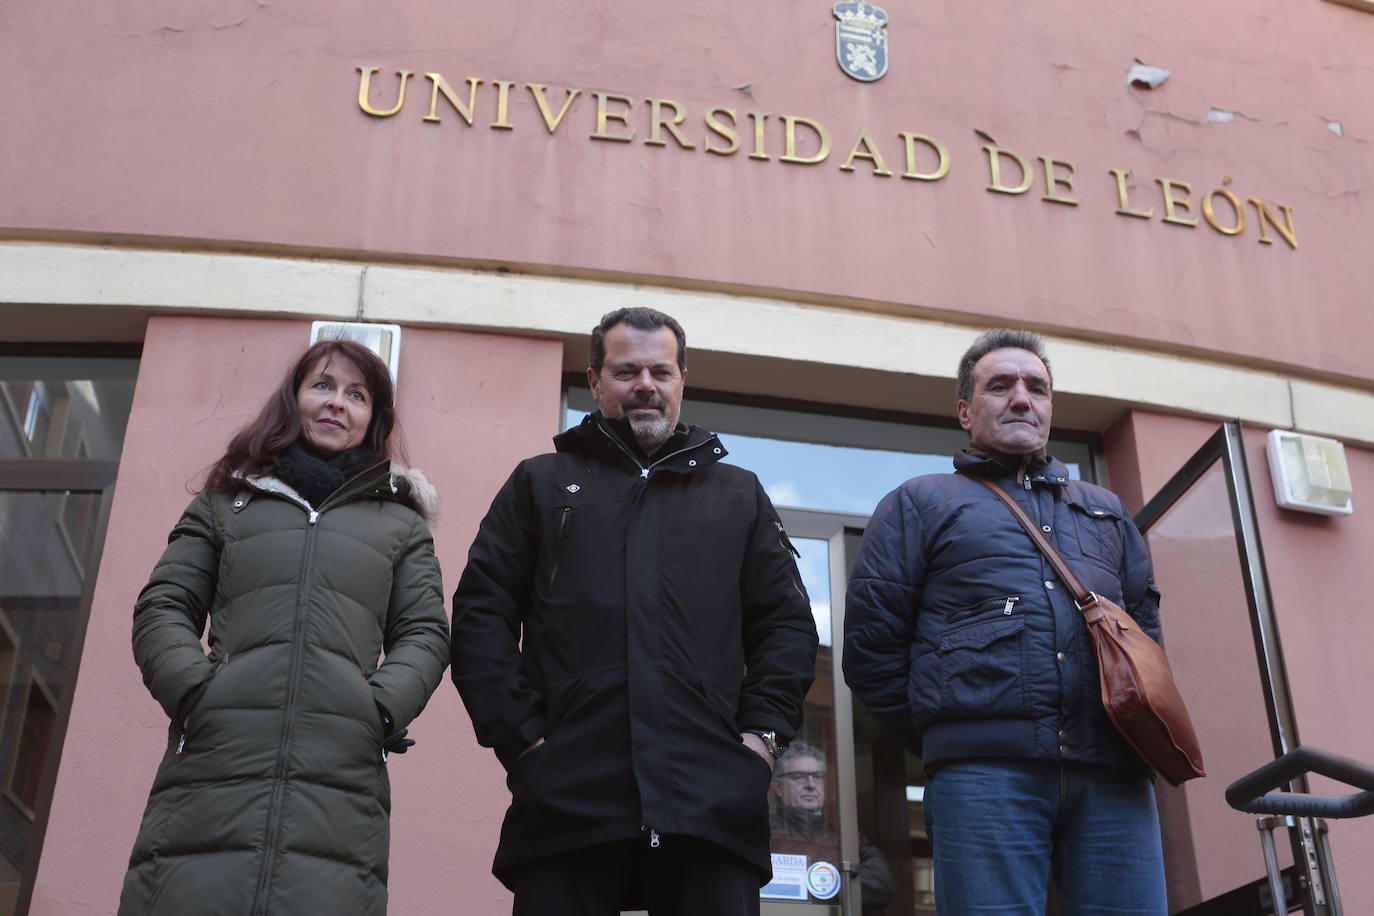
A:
{"x": 637, "y": 616}
{"x": 272, "y": 798}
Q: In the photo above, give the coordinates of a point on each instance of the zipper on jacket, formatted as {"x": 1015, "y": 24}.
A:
{"x": 1006, "y": 605}
{"x": 181, "y": 746}
{"x": 680, "y": 451}
{"x": 653, "y": 839}
{"x": 644, "y": 470}
{"x": 785, "y": 540}
{"x": 288, "y": 719}
{"x": 558, "y": 542}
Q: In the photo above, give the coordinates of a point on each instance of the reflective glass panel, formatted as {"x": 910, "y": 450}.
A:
{"x": 803, "y": 798}
{"x": 64, "y": 407}
{"x": 814, "y": 566}
{"x": 46, "y": 539}
{"x": 1206, "y": 622}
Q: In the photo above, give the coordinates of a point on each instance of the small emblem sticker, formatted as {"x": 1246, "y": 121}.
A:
{"x": 823, "y": 880}
{"x": 572, "y": 488}
{"x": 861, "y": 39}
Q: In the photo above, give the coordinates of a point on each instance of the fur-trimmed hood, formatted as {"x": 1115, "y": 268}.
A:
{"x": 414, "y": 488}
{"x": 406, "y": 485}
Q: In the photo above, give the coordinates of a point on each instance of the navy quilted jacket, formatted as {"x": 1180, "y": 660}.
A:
{"x": 959, "y": 636}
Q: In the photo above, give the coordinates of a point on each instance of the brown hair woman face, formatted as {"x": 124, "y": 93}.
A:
{"x": 335, "y": 406}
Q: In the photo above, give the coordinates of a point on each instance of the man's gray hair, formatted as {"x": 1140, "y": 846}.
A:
{"x": 800, "y": 749}
{"x": 997, "y": 339}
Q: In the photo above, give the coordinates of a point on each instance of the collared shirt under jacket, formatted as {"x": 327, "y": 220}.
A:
{"x": 637, "y": 615}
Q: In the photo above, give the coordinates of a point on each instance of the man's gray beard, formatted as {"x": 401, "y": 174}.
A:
{"x": 651, "y": 433}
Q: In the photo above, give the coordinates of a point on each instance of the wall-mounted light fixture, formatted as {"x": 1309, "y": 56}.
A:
{"x": 382, "y": 339}
{"x": 1310, "y": 473}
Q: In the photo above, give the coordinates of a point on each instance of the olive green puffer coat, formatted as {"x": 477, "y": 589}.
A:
{"x": 272, "y": 798}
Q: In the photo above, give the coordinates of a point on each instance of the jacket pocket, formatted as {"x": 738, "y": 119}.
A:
{"x": 981, "y": 669}
{"x": 1003, "y": 605}
{"x": 562, "y": 531}
{"x": 1099, "y": 530}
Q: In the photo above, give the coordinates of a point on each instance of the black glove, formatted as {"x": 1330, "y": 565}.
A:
{"x": 397, "y": 742}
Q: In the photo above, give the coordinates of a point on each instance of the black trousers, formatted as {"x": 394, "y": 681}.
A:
{"x": 683, "y": 876}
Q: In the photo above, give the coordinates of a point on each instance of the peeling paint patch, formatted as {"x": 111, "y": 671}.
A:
{"x": 1336, "y": 128}
{"x": 1218, "y": 115}
{"x": 1144, "y": 76}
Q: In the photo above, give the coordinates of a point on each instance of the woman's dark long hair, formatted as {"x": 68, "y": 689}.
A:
{"x": 254, "y": 449}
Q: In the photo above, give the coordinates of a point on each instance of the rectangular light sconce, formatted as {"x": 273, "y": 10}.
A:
{"x": 382, "y": 339}
{"x": 1310, "y": 473}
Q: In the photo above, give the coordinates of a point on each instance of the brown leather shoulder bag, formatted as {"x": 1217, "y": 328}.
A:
{"x": 1138, "y": 689}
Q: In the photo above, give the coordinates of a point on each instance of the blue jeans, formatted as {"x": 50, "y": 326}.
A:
{"x": 1000, "y": 828}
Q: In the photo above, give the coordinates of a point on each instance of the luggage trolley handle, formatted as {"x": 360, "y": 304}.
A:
{"x": 1251, "y": 793}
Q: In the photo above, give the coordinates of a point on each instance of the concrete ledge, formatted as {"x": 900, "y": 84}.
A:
{"x": 825, "y": 352}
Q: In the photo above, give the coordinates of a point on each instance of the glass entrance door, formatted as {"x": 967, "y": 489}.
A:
{"x": 817, "y": 862}
{"x": 846, "y": 795}
{"x": 1219, "y": 630}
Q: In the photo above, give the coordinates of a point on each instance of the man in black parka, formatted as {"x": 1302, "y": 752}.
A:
{"x": 632, "y": 638}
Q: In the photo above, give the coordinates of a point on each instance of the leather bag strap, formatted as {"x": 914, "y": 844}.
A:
{"x": 1081, "y": 595}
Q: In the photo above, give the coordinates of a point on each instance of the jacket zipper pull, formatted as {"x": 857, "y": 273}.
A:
{"x": 644, "y": 472}
{"x": 786, "y": 542}
{"x": 181, "y": 746}
{"x": 653, "y": 839}
{"x": 1011, "y": 600}
{"x": 314, "y": 516}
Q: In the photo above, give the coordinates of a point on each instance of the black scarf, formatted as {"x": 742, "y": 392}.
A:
{"x": 315, "y": 478}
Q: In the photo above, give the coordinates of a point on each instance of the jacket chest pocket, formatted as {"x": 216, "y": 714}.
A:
{"x": 1003, "y": 605}
{"x": 1099, "y": 531}
{"x": 980, "y": 667}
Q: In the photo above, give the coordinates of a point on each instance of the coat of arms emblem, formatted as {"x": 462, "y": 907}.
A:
{"x": 861, "y": 39}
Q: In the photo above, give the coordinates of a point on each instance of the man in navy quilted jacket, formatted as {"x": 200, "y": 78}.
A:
{"x": 961, "y": 639}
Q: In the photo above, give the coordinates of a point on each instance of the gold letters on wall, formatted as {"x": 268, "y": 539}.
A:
{"x": 803, "y": 141}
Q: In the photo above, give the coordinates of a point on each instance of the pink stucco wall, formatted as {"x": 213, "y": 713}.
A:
{"x": 468, "y": 418}
{"x": 1314, "y": 568}
{"x": 239, "y": 122}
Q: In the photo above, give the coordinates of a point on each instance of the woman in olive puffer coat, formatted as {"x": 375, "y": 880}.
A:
{"x": 309, "y": 554}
